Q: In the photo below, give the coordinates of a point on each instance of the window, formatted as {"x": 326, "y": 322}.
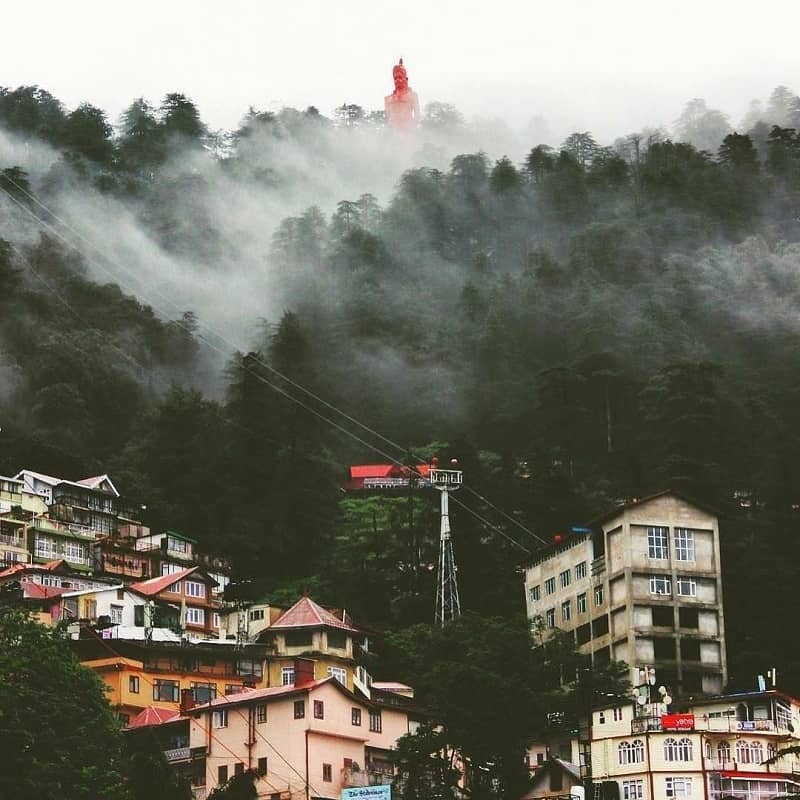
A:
{"x": 194, "y": 589}
{"x": 116, "y": 615}
{"x": 75, "y": 551}
{"x": 327, "y": 773}
{"x": 631, "y": 752}
{"x": 177, "y": 545}
{"x": 133, "y": 684}
{"x": 534, "y": 594}
{"x": 375, "y": 721}
{"x": 256, "y": 614}
{"x": 355, "y": 716}
{"x": 337, "y": 639}
{"x": 215, "y": 621}
{"x": 688, "y": 618}
{"x": 299, "y": 709}
{"x": 287, "y": 676}
{"x": 658, "y": 543}
{"x": 662, "y": 616}
{"x": 319, "y": 709}
{"x": 598, "y": 595}
{"x": 664, "y": 649}
{"x": 550, "y": 616}
{"x": 678, "y": 787}
{"x": 566, "y": 610}
{"x": 660, "y": 584}
{"x": 684, "y": 544}
{"x": 633, "y": 789}
{"x": 222, "y": 775}
{"x": 299, "y": 639}
{"x": 565, "y": 578}
{"x": 550, "y": 586}
{"x": 580, "y": 570}
{"x": 195, "y": 616}
{"x": 238, "y": 769}
{"x": 678, "y": 749}
{"x": 581, "y": 603}
{"x": 617, "y": 715}
{"x": 164, "y": 690}
{"x": 724, "y": 752}
{"x": 90, "y": 609}
{"x": 262, "y": 766}
{"x": 261, "y": 715}
{"x": 233, "y": 688}
{"x": 170, "y": 569}
{"x": 249, "y": 667}
{"x": 219, "y": 719}
{"x": 749, "y": 752}
{"x": 204, "y": 692}
{"x": 690, "y": 650}
{"x": 340, "y": 673}
{"x": 687, "y": 587}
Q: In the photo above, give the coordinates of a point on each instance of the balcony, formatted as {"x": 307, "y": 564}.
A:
{"x": 199, "y": 792}
{"x": 177, "y": 754}
{"x": 598, "y": 566}
{"x": 10, "y": 540}
{"x": 713, "y": 725}
{"x": 352, "y": 778}
{"x": 64, "y": 528}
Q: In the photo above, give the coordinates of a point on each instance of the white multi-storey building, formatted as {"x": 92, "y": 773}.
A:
{"x": 641, "y": 584}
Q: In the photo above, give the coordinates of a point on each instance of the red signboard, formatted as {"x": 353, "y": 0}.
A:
{"x": 677, "y": 722}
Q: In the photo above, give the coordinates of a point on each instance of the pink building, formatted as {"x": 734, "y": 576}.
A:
{"x": 309, "y": 740}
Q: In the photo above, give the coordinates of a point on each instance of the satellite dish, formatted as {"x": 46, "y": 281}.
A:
{"x": 641, "y": 700}
{"x": 667, "y": 700}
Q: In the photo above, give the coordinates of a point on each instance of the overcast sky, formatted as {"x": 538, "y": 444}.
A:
{"x": 609, "y": 67}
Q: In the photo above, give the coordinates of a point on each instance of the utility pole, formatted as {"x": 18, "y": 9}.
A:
{"x": 448, "y": 605}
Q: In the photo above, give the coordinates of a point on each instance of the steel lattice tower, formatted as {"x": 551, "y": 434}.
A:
{"x": 448, "y": 605}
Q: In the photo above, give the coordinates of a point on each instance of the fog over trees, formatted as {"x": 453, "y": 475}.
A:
{"x": 578, "y": 323}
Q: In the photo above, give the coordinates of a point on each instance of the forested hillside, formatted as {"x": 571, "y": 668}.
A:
{"x": 579, "y": 326}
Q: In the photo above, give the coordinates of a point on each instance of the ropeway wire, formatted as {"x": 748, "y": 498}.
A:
{"x": 267, "y": 366}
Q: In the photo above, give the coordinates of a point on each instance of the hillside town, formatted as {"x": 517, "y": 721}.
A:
{"x": 283, "y": 694}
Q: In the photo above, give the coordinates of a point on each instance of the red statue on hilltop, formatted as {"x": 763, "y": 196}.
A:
{"x": 402, "y": 105}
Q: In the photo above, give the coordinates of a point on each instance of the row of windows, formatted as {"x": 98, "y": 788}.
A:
{"x": 340, "y": 673}
{"x": 747, "y": 752}
{"x": 238, "y": 769}
{"x": 674, "y": 750}
{"x": 564, "y": 579}
{"x": 169, "y": 691}
{"x": 581, "y": 606}
{"x": 658, "y": 543}
{"x": 674, "y": 786}
{"x": 662, "y": 584}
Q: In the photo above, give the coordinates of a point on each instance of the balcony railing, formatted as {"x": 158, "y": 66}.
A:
{"x": 11, "y": 540}
{"x": 351, "y": 778}
{"x": 199, "y": 792}
{"x": 177, "y": 754}
{"x": 714, "y": 725}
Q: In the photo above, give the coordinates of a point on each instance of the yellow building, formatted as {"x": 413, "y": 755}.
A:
{"x": 309, "y": 631}
{"x": 140, "y": 674}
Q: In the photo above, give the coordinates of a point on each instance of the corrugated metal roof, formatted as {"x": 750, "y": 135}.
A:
{"x": 154, "y": 586}
{"x": 305, "y": 613}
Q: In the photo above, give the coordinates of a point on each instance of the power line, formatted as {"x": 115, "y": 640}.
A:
{"x": 267, "y": 366}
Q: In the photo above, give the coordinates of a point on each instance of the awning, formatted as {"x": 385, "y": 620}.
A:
{"x": 765, "y": 776}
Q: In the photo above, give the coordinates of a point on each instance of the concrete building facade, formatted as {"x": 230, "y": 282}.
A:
{"x": 642, "y": 584}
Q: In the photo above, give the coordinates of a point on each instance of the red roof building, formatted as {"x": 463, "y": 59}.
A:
{"x": 376, "y": 477}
